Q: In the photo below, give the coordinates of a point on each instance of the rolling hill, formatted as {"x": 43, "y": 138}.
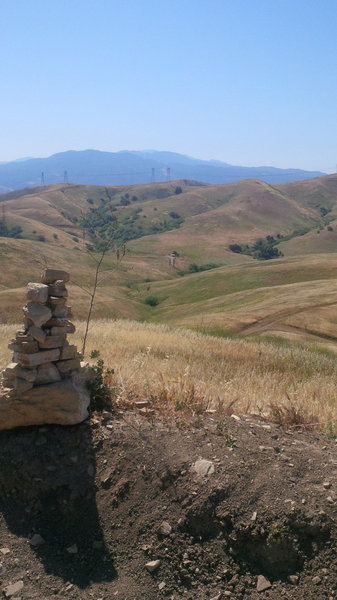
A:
{"x": 293, "y": 296}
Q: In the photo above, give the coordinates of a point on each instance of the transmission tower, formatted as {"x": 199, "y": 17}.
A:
{"x": 153, "y": 175}
{"x": 65, "y": 177}
{"x": 168, "y": 174}
{"x": 4, "y": 217}
{"x": 42, "y": 178}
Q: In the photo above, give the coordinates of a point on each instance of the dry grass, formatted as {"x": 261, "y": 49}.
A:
{"x": 185, "y": 370}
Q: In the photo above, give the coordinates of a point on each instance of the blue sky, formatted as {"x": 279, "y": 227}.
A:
{"x": 249, "y": 82}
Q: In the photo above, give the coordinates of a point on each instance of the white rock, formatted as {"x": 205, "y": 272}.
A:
{"x": 165, "y": 528}
{"x": 13, "y": 589}
{"x": 37, "y": 292}
{"x": 203, "y": 467}
{"x": 152, "y": 565}
{"x": 262, "y": 584}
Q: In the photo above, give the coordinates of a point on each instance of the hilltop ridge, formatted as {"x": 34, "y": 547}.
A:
{"x": 132, "y": 167}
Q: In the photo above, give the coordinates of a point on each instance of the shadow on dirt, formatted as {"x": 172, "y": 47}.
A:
{"x": 47, "y": 487}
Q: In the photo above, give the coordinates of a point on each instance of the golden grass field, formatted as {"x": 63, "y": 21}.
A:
{"x": 182, "y": 370}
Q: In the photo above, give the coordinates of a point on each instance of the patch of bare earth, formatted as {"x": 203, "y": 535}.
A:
{"x": 140, "y": 507}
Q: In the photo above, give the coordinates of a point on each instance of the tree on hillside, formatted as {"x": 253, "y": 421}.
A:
{"x": 265, "y": 250}
{"x": 106, "y": 238}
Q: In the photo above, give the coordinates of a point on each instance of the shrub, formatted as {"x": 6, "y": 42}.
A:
{"x": 101, "y": 393}
{"x": 235, "y": 248}
{"x": 41, "y": 238}
{"x": 329, "y": 228}
{"x": 174, "y": 215}
{"x": 151, "y": 301}
{"x": 178, "y": 190}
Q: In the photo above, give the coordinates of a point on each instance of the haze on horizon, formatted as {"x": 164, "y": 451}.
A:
{"x": 247, "y": 83}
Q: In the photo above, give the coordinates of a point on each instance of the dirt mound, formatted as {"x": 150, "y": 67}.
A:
{"x": 144, "y": 507}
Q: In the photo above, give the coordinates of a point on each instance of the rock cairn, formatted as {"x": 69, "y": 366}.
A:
{"x": 45, "y": 383}
{"x": 41, "y": 351}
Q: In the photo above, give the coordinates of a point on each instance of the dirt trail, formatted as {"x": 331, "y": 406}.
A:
{"x": 110, "y": 496}
{"x": 275, "y": 322}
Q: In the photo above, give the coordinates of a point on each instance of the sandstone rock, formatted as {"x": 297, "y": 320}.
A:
{"x": 68, "y": 352}
{"x": 53, "y": 275}
{"x": 13, "y": 589}
{"x": 203, "y": 467}
{"x": 37, "y": 313}
{"x": 15, "y": 347}
{"x": 14, "y": 370}
{"x": 65, "y": 366}
{"x": 61, "y": 312}
{"x": 55, "y": 322}
{"x": 37, "y": 292}
{"x": 29, "y": 347}
{"x": 165, "y": 528}
{"x": 47, "y": 373}
{"x": 37, "y": 333}
{"x": 38, "y": 358}
{"x": 58, "y": 289}
{"x": 62, "y": 403}
{"x": 58, "y": 331}
{"x": 23, "y": 337}
{"x": 152, "y": 565}
{"x": 262, "y": 584}
{"x": 52, "y": 341}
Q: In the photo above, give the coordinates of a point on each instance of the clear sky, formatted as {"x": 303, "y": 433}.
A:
{"x": 249, "y": 82}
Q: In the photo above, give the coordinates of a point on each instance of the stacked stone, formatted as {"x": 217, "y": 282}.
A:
{"x": 41, "y": 351}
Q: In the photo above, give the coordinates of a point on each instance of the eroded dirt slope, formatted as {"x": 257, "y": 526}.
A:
{"x": 109, "y": 496}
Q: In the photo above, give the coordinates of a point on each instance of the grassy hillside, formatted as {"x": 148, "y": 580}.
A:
{"x": 289, "y": 296}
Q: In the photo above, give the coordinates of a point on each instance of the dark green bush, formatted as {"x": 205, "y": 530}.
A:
{"x": 151, "y": 301}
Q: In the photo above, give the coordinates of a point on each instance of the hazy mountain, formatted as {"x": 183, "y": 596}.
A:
{"x": 131, "y": 167}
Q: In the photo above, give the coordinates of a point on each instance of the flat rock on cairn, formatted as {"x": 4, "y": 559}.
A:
{"x": 46, "y": 382}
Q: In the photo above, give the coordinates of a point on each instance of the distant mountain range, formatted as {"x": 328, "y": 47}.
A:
{"x": 132, "y": 167}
